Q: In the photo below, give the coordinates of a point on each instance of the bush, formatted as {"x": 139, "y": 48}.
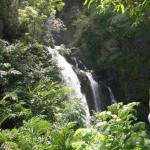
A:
{"x": 113, "y": 129}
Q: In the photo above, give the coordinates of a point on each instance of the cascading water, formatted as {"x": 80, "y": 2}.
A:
{"x": 112, "y": 98}
{"x": 75, "y": 60}
{"x": 79, "y": 64}
{"x": 70, "y": 79}
{"x": 93, "y": 84}
{"x": 48, "y": 26}
{"x": 95, "y": 91}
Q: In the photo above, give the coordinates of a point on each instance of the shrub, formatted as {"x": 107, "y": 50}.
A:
{"x": 113, "y": 129}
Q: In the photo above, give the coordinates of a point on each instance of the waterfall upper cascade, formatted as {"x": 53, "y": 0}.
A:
{"x": 70, "y": 79}
{"x": 112, "y": 98}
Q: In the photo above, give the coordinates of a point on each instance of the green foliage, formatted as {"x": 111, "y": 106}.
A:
{"x": 8, "y": 13}
{"x": 33, "y": 22}
{"x": 137, "y": 8}
{"x": 11, "y": 108}
{"x": 47, "y": 99}
{"x": 61, "y": 136}
{"x": 113, "y": 129}
{"x": 22, "y": 68}
{"x": 47, "y": 7}
{"x": 34, "y": 106}
{"x": 33, "y": 18}
{"x": 102, "y": 37}
{"x": 29, "y": 18}
{"x": 36, "y": 134}
{"x": 108, "y": 42}
{"x": 30, "y": 88}
{"x": 72, "y": 112}
{"x": 7, "y": 70}
{"x": 35, "y": 63}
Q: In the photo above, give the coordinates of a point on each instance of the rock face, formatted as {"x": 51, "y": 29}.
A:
{"x": 105, "y": 98}
{"x": 86, "y": 89}
{"x": 1, "y": 28}
{"x": 107, "y": 78}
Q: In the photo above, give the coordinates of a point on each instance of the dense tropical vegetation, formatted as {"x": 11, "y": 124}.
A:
{"x": 35, "y": 112}
{"x": 110, "y": 42}
{"x": 139, "y": 9}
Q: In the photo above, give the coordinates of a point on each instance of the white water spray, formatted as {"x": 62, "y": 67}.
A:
{"x": 94, "y": 86}
{"x": 112, "y": 98}
{"x": 70, "y": 79}
{"x": 95, "y": 91}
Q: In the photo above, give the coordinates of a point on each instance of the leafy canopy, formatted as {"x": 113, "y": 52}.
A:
{"x": 136, "y": 8}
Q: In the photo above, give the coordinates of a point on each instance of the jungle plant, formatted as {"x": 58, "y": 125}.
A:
{"x": 139, "y": 9}
{"x": 13, "y": 111}
{"x": 113, "y": 129}
{"x": 37, "y": 134}
{"x": 47, "y": 99}
{"x": 33, "y": 21}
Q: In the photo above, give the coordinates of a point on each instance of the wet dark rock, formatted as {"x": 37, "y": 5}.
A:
{"x": 86, "y": 89}
{"x": 105, "y": 98}
{"x": 106, "y": 77}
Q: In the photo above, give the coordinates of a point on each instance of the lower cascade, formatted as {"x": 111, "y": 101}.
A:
{"x": 70, "y": 79}
{"x": 95, "y": 91}
{"x": 112, "y": 98}
{"x": 94, "y": 86}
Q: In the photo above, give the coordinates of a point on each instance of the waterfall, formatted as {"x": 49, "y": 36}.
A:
{"x": 48, "y": 26}
{"x": 93, "y": 84}
{"x": 79, "y": 64}
{"x": 75, "y": 61}
{"x": 95, "y": 91}
{"x": 70, "y": 79}
{"x": 112, "y": 98}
